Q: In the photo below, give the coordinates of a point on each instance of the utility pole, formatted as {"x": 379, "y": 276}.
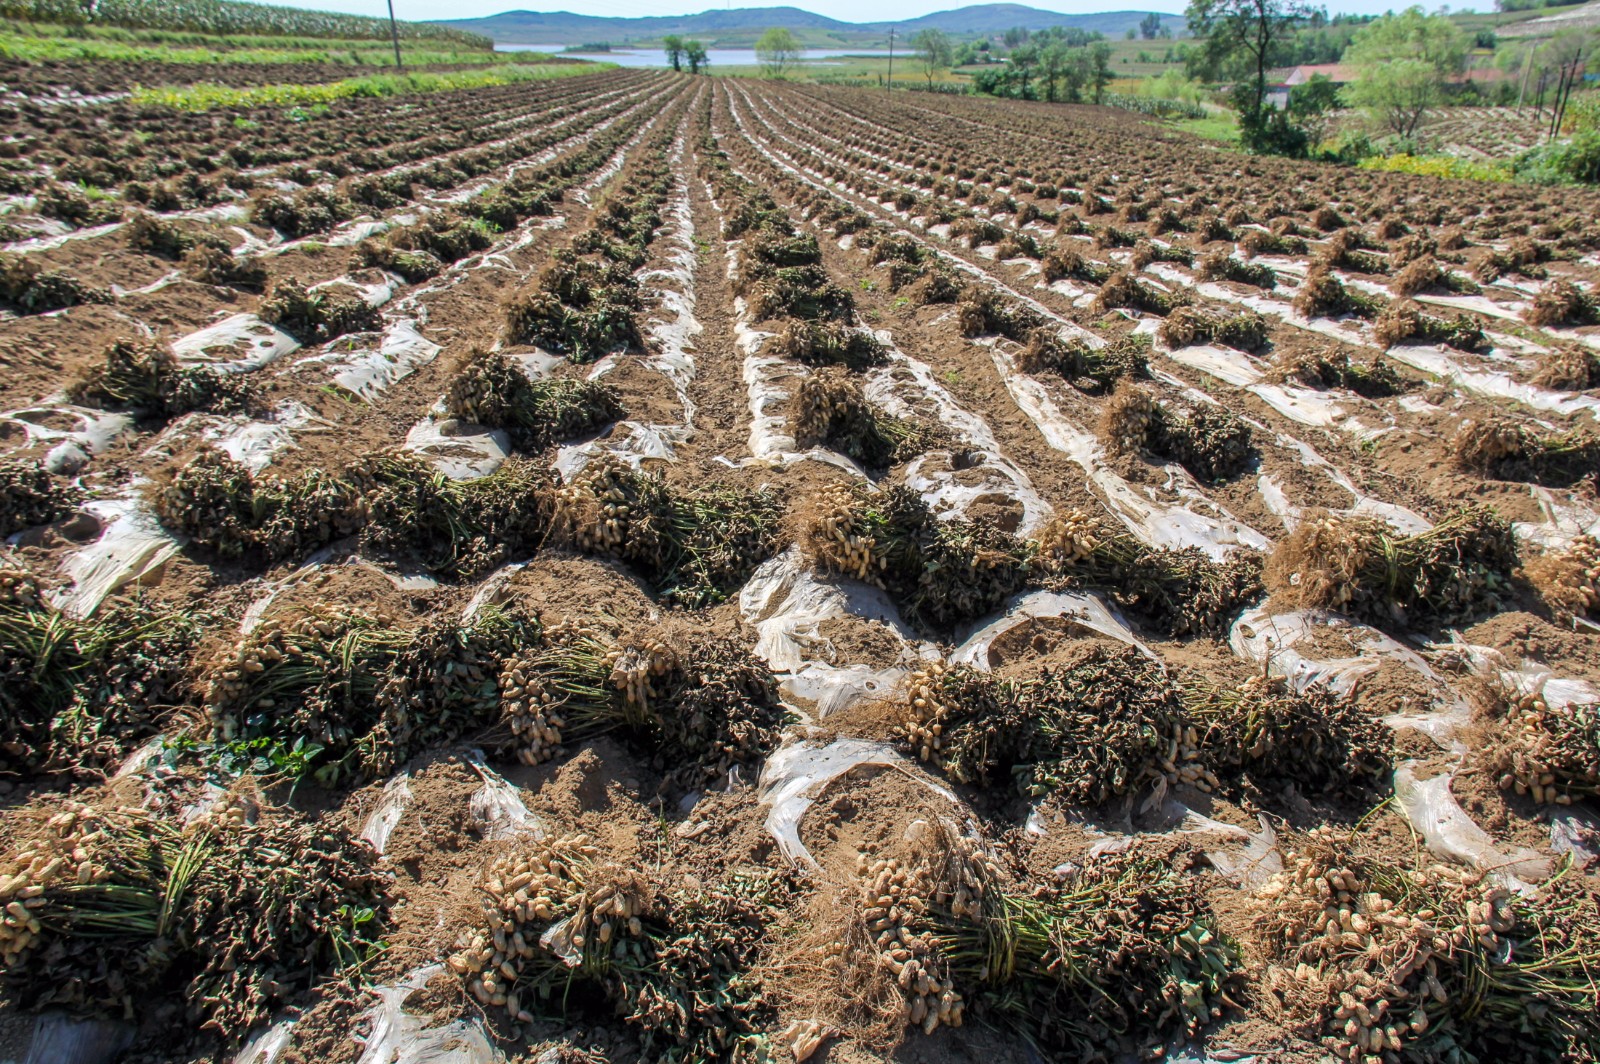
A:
{"x": 889, "y": 82}
{"x": 394, "y": 32}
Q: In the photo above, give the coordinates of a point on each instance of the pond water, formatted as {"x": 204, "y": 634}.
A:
{"x": 657, "y": 57}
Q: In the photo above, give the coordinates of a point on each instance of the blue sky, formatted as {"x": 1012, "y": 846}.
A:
{"x": 845, "y": 10}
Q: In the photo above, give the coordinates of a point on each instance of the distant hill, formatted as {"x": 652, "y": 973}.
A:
{"x": 562, "y": 27}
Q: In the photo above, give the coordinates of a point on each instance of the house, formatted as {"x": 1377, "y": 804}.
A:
{"x": 1281, "y": 82}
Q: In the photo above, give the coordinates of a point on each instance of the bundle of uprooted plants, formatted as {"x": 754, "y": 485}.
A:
{"x": 402, "y": 506}
{"x": 223, "y": 507}
{"x": 1390, "y": 961}
{"x": 1344, "y": 250}
{"x": 1550, "y": 752}
{"x": 699, "y": 711}
{"x": 1569, "y": 366}
{"x": 1403, "y": 321}
{"x": 1568, "y": 579}
{"x": 1125, "y": 289}
{"x": 1358, "y": 565}
{"x": 1220, "y": 265}
{"x": 696, "y": 546}
{"x": 30, "y": 496}
{"x": 314, "y": 317}
{"x": 1313, "y": 740}
{"x": 114, "y": 912}
{"x": 1244, "y": 329}
{"x": 28, "y": 288}
{"x": 677, "y": 964}
{"x": 582, "y": 308}
{"x": 356, "y": 695}
{"x": 1066, "y": 261}
{"x": 77, "y": 693}
{"x": 1508, "y": 450}
{"x": 1419, "y": 275}
{"x": 1322, "y": 295}
{"x": 831, "y": 411}
{"x": 828, "y": 343}
{"x": 1115, "y": 959}
{"x": 940, "y": 572}
{"x": 1562, "y": 303}
{"x": 147, "y": 377}
{"x": 1211, "y": 442}
{"x": 1179, "y": 592}
{"x": 1106, "y": 724}
{"x": 1087, "y": 368}
{"x": 493, "y": 390}
{"x": 921, "y": 274}
{"x": 1374, "y": 379}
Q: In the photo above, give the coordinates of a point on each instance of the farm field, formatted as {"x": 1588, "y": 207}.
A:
{"x": 641, "y": 567}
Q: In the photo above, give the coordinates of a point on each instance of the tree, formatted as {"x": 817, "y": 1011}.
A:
{"x": 673, "y": 44}
{"x": 777, "y": 50}
{"x": 1150, "y": 26}
{"x": 1396, "y": 94}
{"x": 1099, "y": 69}
{"x": 934, "y": 52}
{"x": 1312, "y": 105}
{"x": 1015, "y": 36}
{"x": 1243, "y": 39}
{"x": 1055, "y": 63}
{"x": 1023, "y": 61}
{"x": 1401, "y": 62}
{"x": 695, "y": 53}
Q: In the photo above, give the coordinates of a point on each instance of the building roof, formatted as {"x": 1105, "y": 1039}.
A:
{"x": 1332, "y": 71}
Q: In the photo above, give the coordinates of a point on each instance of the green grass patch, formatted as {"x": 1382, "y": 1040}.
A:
{"x": 1221, "y": 127}
{"x": 212, "y": 97}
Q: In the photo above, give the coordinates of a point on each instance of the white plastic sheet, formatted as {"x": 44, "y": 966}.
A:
{"x": 1085, "y": 610}
{"x": 787, "y": 603}
{"x": 132, "y": 548}
{"x": 797, "y": 774}
{"x": 1433, "y": 812}
{"x": 366, "y": 371}
{"x": 397, "y": 1037}
{"x": 239, "y": 344}
{"x": 457, "y": 454}
{"x": 385, "y": 816}
{"x": 497, "y": 807}
{"x": 59, "y": 1039}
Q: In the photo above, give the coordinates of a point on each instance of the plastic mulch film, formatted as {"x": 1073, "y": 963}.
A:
{"x": 497, "y": 807}
{"x": 251, "y": 442}
{"x": 381, "y": 822}
{"x": 1245, "y": 858}
{"x": 1433, "y": 812}
{"x": 1082, "y": 609}
{"x": 786, "y": 603}
{"x": 458, "y": 455}
{"x": 132, "y": 548}
{"x": 1576, "y": 831}
{"x": 239, "y": 344}
{"x": 366, "y": 371}
{"x": 268, "y": 1046}
{"x": 797, "y": 774}
{"x": 59, "y": 1039}
{"x": 70, "y": 448}
{"x": 398, "y": 1037}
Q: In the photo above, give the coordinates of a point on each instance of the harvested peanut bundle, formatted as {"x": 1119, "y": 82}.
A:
{"x": 1403, "y": 321}
{"x": 358, "y": 695}
{"x": 696, "y": 546}
{"x": 1211, "y": 442}
{"x": 1393, "y": 962}
{"x": 1104, "y": 725}
{"x": 1360, "y": 566}
{"x": 77, "y": 693}
{"x": 30, "y": 496}
{"x": 110, "y": 910}
{"x": 1569, "y": 579}
{"x": 494, "y": 391}
{"x": 1313, "y": 739}
{"x": 219, "y": 504}
{"x": 1245, "y": 330}
{"x": 1374, "y": 379}
{"x": 1322, "y": 295}
{"x": 1220, "y": 265}
{"x": 1112, "y": 960}
{"x": 577, "y": 307}
{"x": 1125, "y": 289}
{"x": 677, "y": 964}
{"x": 317, "y": 316}
{"x": 1562, "y": 303}
{"x": 832, "y": 411}
{"x": 1570, "y": 367}
{"x": 147, "y": 377}
{"x": 1549, "y": 752}
{"x": 1088, "y": 369}
{"x": 940, "y": 572}
{"x": 1508, "y": 450}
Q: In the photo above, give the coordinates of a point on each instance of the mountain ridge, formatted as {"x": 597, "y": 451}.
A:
{"x": 564, "y": 27}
